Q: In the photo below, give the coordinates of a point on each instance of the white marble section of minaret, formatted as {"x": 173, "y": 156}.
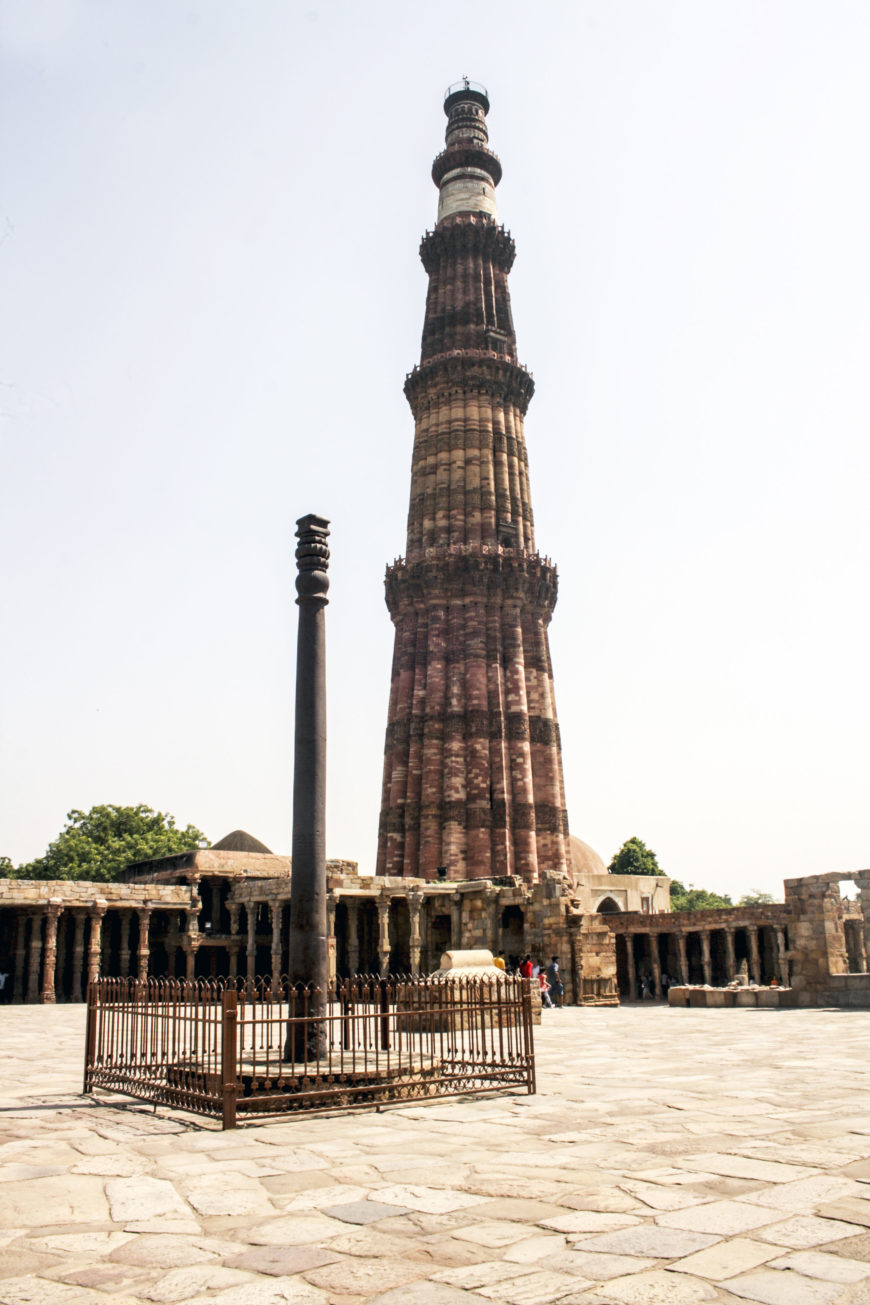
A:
{"x": 467, "y": 190}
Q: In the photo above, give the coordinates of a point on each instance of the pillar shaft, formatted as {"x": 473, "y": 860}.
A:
{"x": 754, "y": 956}
{"x": 144, "y": 950}
{"x": 705, "y": 956}
{"x": 49, "y": 977}
{"x": 730, "y": 955}
{"x": 682, "y": 958}
{"x": 655, "y": 961}
{"x": 308, "y": 931}
{"x": 35, "y": 957}
{"x": 78, "y": 957}
{"x": 629, "y": 965}
{"x": 124, "y": 947}
{"x": 97, "y": 912}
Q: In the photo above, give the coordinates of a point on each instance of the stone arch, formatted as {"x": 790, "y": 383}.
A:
{"x": 608, "y": 906}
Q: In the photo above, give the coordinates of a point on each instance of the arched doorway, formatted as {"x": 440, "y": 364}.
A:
{"x": 607, "y": 906}
{"x": 513, "y": 933}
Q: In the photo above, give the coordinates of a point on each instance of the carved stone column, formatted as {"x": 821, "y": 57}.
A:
{"x": 629, "y": 966}
{"x": 144, "y": 952}
{"x": 415, "y": 904}
{"x": 682, "y": 958}
{"x": 730, "y": 954}
{"x": 35, "y": 957}
{"x": 277, "y": 912}
{"x": 191, "y": 946}
{"x": 456, "y": 922}
{"x": 705, "y": 957}
{"x": 782, "y": 958}
{"x": 78, "y": 959}
{"x": 754, "y": 957}
{"x": 252, "y": 911}
{"x": 352, "y": 904}
{"x": 384, "y": 935}
{"x": 60, "y": 964}
{"x": 49, "y": 976}
{"x": 20, "y": 954}
{"x": 331, "y": 944}
{"x": 863, "y": 886}
{"x": 124, "y": 949}
{"x": 97, "y": 912}
{"x": 655, "y": 961}
{"x": 234, "y": 908}
{"x": 495, "y": 924}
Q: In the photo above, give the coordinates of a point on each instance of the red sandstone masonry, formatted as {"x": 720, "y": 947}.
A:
{"x": 472, "y": 762}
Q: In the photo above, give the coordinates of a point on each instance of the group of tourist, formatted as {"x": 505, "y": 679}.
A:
{"x": 548, "y": 979}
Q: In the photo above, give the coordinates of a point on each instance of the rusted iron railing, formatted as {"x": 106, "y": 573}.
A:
{"x": 230, "y": 1049}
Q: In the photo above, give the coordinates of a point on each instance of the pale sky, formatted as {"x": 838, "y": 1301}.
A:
{"x": 211, "y": 288}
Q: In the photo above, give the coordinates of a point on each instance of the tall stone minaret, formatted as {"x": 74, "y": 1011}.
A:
{"x": 473, "y": 765}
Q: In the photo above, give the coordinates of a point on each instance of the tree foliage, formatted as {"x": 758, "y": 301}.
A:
{"x": 755, "y": 899}
{"x": 97, "y": 844}
{"x": 634, "y": 858}
{"x": 695, "y": 899}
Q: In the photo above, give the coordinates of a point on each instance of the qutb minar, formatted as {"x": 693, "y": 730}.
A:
{"x": 473, "y": 782}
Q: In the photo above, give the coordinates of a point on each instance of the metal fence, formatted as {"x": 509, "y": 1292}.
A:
{"x": 226, "y": 1048}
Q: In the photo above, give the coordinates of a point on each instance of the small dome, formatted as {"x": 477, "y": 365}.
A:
{"x": 239, "y": 841}
{"x": 584, "y": 859}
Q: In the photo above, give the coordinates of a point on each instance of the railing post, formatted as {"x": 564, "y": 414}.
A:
{"x": 529, "y": 1035}
{"x": 385, "y": 1014}
{"x": 90, "y": 1037}
{"x": 229, "y": 1054}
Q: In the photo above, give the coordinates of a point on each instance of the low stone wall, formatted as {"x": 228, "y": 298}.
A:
{"x": 851, "y": 990}
{"x": 719, "y": 998}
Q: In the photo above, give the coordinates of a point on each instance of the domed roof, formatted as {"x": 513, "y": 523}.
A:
{"x": 239, "y": 841}
{"x": 584, "y": 859}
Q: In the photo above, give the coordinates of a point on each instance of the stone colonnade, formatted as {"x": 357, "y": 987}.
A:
{"x": 711, "y": 953}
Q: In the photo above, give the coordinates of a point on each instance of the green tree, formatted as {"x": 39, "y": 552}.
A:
{"x": 634, "y": 858}
{"x": 695, "y": 899}
{"x": 755, "y": 899}
{"x": 97, "y": 844}
{"x": 7, "y": 869}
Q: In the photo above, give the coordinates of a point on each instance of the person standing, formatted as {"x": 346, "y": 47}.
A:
{"x": 554, "y": 979}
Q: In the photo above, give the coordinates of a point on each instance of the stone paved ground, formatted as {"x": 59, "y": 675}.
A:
{"x": 671, "y": 1156}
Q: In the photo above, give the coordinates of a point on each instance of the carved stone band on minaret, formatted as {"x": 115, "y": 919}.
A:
{"x": 472, "y": 760}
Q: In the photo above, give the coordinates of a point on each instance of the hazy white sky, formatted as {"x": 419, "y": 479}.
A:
{"x": 211, "y": 291}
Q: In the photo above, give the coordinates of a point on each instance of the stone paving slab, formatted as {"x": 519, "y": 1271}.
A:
{"x": 733, "y": 1165}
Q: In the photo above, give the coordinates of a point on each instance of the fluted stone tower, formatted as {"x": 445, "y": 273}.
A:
{"x": 473, "y": 769}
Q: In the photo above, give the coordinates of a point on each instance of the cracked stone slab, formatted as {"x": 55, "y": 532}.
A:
{"x": 44, "y": 1202}
{"x": 589, "y": 1221}
{"x": 806, "y": 1194}
{"x": 283, "y": 1291}
{"x": 541, "y": 1288}
{"x": 657, "y": 1287}
{"x": 474, "y": 1276}
{"x": 775, "y": 1287}
{"x": 736, "y": 1166}
{"x": 726, "y": 1259}
{"x": 362, "y": 1277}
{"x": 282, "y": 1261}
{"x": 363, "y": 1211}
{"x": 803, "y": 1231}
{"x": 724, "y": 1217}
{"x": 659, "y": 1243}
{"x": 497, "y": 1234}
{"x": 143, "y": 1197}
{"x": 431, "y": 1200}
{"x": 180, "y": 1285}
{"x": 295, "y": 1230}
{"x": 819, "y": 1264}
